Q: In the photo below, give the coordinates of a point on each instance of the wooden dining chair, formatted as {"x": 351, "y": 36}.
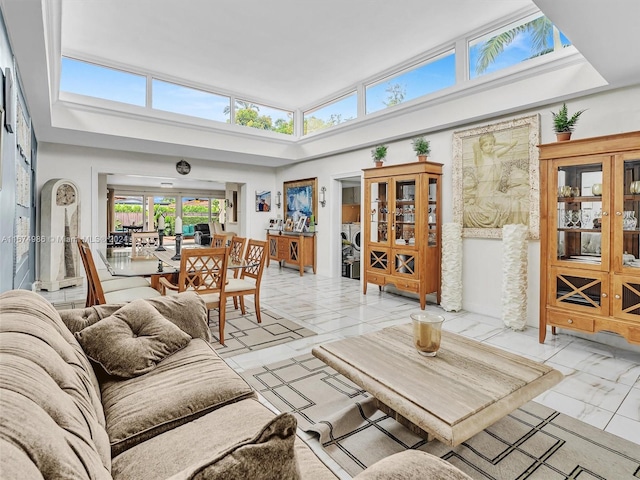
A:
{"x": 219, "y": 241}
{"x": 248, "y": 282}
{"x": 118, "y": 290}
{"x": 203, "y": 271}
{"x": 236, "y": 251}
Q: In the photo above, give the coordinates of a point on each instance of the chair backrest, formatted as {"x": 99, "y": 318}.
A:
{"x": 141, "y": 242}
{"x": 219, "y": 241}
{"x": 95, "y": 294}
{"x": 236, "y": 249}
{"x": 255, "y": 253}
{"x": 203, "y": 270}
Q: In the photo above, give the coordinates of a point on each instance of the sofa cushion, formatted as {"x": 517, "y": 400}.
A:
{"x": 175, "y": 451}
{"x": 50, "y": 410}
{"x": 132, "y": 340}
{"x": 184, "y": 386}
{"x": 187, "y": 310}
{"x": 267, "y": 455}
{"x": 412, "y": 465}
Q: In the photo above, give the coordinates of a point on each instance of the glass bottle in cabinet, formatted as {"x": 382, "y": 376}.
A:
{"x": 402, "y": 229}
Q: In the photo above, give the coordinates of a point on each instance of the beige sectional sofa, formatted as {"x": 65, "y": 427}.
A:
{"x": 188, "y": 415}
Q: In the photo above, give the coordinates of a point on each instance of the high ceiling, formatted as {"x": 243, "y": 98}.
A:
{"x": 287, "y": 53}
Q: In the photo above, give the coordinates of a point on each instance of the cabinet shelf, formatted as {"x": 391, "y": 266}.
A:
{"x": 591, "y": 198}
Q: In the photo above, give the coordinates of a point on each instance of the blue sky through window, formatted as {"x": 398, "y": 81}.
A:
{"x": 519, "y": 50}
{"x": 415, "y": 83}
{"x": 101, "y": 82}
{"x": 189, "y": 101}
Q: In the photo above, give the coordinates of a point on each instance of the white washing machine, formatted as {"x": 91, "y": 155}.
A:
{"x": 351, "y": 232}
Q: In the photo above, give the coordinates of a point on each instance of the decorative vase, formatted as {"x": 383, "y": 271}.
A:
{"x": 427, "y": 332}
{"x": 422, "y": 158}
{"x": 563, "y": 136}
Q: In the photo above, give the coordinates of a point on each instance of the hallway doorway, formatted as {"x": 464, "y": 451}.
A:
{"x": 350, "y": 231}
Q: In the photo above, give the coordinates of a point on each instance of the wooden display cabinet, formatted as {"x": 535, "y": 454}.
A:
{"x": 402, "y": 228}
{"x": 590, "y": 237}
{"x": 292, "y": 247}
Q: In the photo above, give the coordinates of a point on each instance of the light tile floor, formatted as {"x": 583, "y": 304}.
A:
{"x": 601, "y": 385}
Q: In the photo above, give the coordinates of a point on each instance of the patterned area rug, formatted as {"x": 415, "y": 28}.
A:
{"x": 243, "y": 333}
{"x": 534, "y": 442}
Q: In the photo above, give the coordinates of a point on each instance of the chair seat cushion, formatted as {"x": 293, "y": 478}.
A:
{"x": 132, "y": 340}
{"x": 239, "y": 285}
{"x": 130, "y": 294}
{"x": 123, "y": 283}
{"x": 183, "y": 387}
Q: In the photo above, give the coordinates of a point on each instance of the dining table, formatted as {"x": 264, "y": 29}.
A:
{"x": 157, "y": 264}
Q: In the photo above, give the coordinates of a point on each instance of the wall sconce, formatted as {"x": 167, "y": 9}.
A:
{"x": 323, "y": 196}
{"x": 279, "y": 199}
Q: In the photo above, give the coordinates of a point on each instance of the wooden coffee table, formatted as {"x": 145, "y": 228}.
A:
{"x": 464, "y": 389}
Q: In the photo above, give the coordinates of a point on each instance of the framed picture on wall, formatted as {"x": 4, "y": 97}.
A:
{"x": 263, "y": 201}
{"x": 301, "y": 199}
{"x": 495, "y": 177}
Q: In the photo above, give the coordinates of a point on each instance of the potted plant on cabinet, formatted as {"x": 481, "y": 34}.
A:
{"x": 422, "y": 148}
{"x": 563, "y": 124}
{"x": 379, "y": 154}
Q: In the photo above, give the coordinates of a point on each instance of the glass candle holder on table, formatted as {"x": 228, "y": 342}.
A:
{"x": 427, "y": 332}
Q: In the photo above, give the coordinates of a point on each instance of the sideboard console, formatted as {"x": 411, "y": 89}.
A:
{"x": 297, "y": 248}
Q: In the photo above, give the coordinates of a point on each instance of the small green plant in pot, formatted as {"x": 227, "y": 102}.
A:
{"x": 563, "y": 125}
{"x": 422, "y": 148}
{"x": 379, "y": 154}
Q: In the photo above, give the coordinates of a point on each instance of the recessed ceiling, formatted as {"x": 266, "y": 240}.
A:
{"x": 285, "y": 53}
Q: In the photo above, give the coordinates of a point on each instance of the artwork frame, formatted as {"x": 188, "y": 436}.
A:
{"x": 263, "y": 201}
{"x": 288, "y": 226}
{"x": 300, "y": 224}
{"x": 301, "y": 198}
{"x": 496, "y": 177}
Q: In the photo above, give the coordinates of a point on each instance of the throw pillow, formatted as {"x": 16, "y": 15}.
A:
{"x": 132, "y": 340}
{"x": 266, "y": 456}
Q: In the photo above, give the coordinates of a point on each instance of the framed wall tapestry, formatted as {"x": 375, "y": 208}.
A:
{"x": 496, "y": 177}
{"x": 263, "y": 201}
{"x": 301, "y": 199}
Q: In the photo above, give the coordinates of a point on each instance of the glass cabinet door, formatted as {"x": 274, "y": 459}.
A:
{"x": 627, "y": 212}
{"x": 405, "y": 212}
{"x": 432, "y": 221}
{"x": 582, "y": 214}
{"x": 379, "y": 212}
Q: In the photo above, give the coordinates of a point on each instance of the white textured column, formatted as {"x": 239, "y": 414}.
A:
{"x": 451, "y": 296}
{"x": 514, "y": 276}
